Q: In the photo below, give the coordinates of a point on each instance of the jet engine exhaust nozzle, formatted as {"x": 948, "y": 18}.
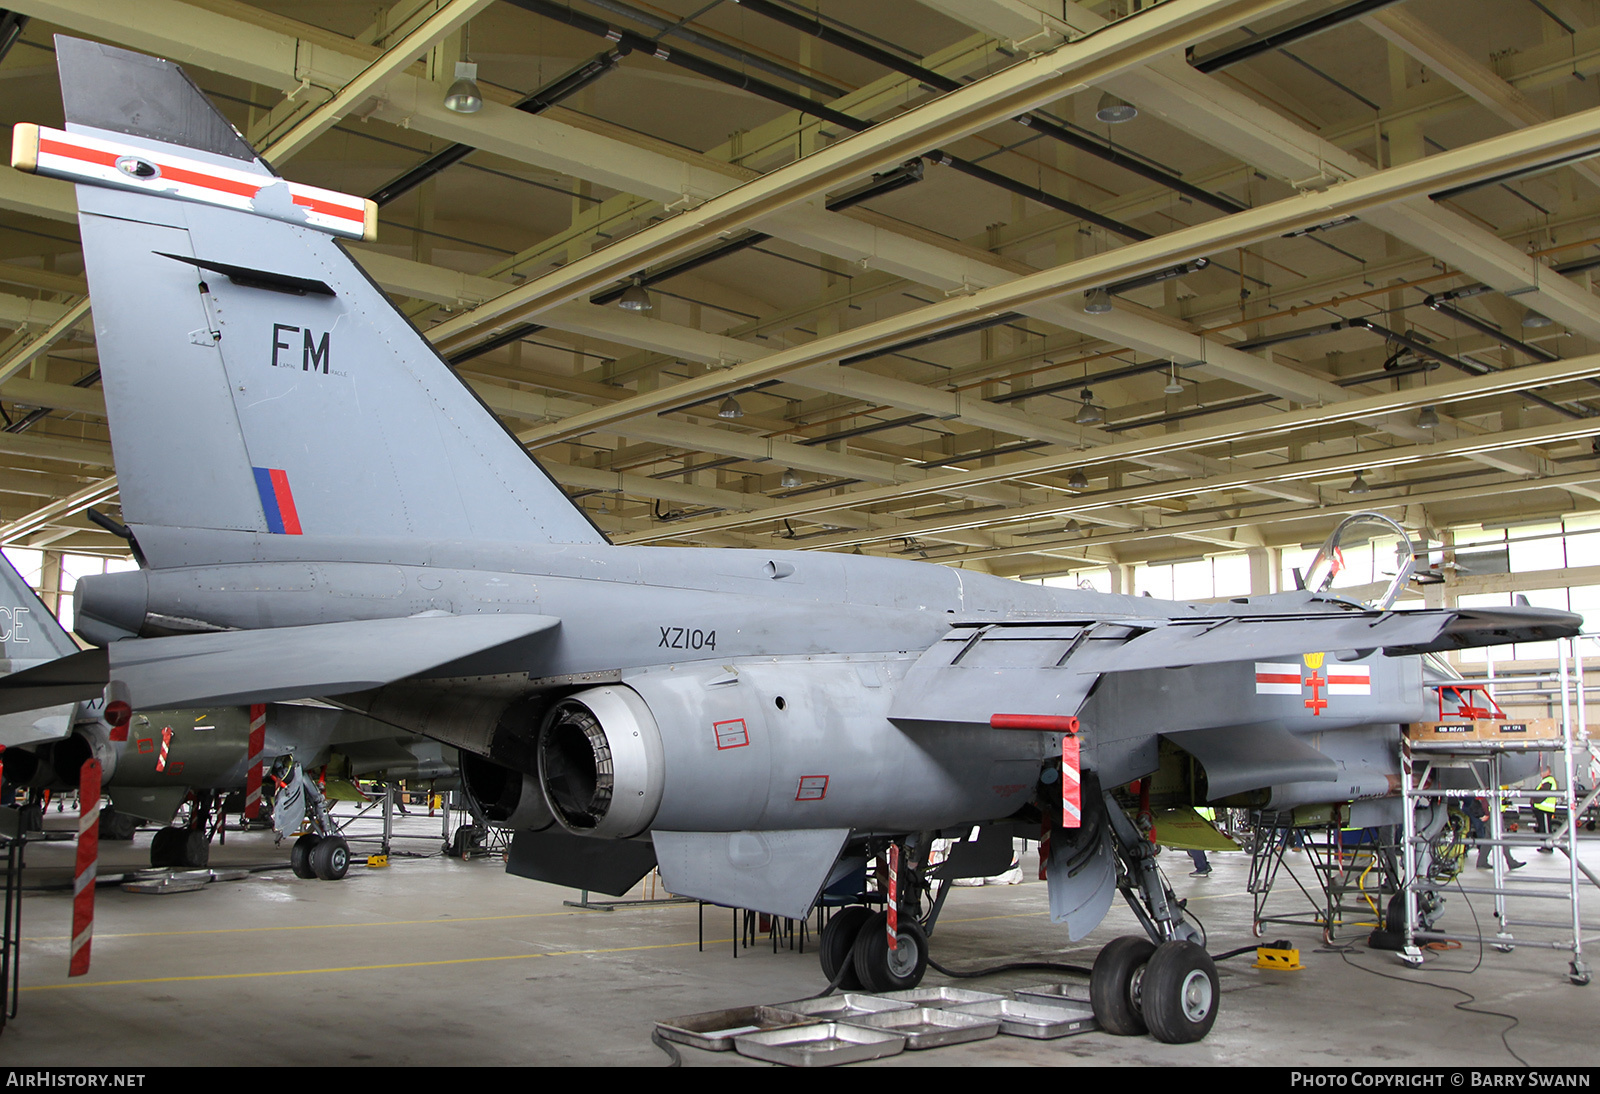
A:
{"x": 600, "y": 763}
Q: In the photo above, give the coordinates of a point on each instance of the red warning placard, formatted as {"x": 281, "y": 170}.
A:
{"x": 813, "y": 788}
{"x": 731, "y": 734}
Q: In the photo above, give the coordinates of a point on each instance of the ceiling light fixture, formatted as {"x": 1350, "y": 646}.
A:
{"x": 1097, "y": 302}
{"x": 730, "y": 408}
{"x": 790, "y": 480}
{"x": 1073, "y": 528}
{"x": 464, "y": 96}
{"x": 634, "y": 298}
{"x": 1088, "y": 413}
{"x": 1114, "y": 110}
{"x": 1359, "y": 485}
{"x": 1427, "y": 418}
{"x": 1078, "y": 480}
{"x": 1534, "y": 321}
{"x": 1173, "y": 387}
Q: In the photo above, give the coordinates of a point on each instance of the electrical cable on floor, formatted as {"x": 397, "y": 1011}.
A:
{"x": 845, "y": 967}
{"x": 1465, "y": 1005}
{"x": 675, "y": 1059}
{"x": 1016, "y": 966}
{"x": 1249, "y": 949}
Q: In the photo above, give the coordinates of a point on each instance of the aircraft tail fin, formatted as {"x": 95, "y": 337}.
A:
{"x": 256, "y": 379}
{"x": 29, "y": 633}
{"x": 31, "y": 638}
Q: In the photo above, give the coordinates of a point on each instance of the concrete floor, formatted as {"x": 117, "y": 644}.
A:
{"x": 435, "y": 961}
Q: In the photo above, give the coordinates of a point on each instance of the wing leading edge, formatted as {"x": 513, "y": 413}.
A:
{"x": 1049, "y": 666}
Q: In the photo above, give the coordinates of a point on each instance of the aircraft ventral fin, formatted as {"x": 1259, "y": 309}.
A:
{"x": 1049, "y": 666}
{"x": 270, "y": 665}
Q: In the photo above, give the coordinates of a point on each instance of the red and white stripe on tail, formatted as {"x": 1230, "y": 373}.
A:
{"x": 77, "y": 157}
{"x": 87, "y": 867}
{"x": 258, "y": 745}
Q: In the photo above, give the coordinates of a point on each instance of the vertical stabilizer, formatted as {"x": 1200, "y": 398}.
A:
{"x": 30, "y": 636}
{"x": 256, "y": 380}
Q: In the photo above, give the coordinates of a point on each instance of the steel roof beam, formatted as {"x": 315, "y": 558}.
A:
{"x": 1270, "y": 425}
{"x": 998, "y": 97}
{"x": 1362, "y": 195}
{"x": 1458, "y": 66}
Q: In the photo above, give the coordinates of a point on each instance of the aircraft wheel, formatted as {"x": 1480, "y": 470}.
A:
{"x": 300, "y": 855}
{"x": 193, "y": 849}
{"x": 1180, "y": 993}
{"x": 117, "y": 826}
{"x": 330, "y": 858}
{"x": 166, "y": 847}
{"x": 837, "y": 945}
{"x": 882, "y": 969}
{"x": 466, "y": 838}
{"x": 1116, "y": 984}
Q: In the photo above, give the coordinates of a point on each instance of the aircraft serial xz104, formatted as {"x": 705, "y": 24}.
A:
{"x": 323, "y": 509}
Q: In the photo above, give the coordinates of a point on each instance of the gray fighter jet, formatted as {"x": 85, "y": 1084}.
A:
{"x": 323, "y": 509}
{"x": 158, "y": 760}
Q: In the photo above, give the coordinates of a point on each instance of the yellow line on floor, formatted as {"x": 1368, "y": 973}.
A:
{"x": 365, "y": 968}
{"x": 323, "y": 926}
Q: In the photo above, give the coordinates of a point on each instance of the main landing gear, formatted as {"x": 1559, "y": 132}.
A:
{"x": 1166, "y": 983}
{"x": 854, "y": 944}
{"x": 187, "y": 845}
{"x": 322, "y": 852}
{"x": 324, "y": 857}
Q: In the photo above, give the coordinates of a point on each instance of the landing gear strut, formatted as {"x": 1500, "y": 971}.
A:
{"x": 188, "y": 846}
{"x": 322, "y": 852}
{"x": 1166, "y": 983}
{"x": 855, "y": 950}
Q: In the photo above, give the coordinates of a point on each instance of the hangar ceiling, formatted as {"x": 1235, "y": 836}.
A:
{"x": 909, "y": 293}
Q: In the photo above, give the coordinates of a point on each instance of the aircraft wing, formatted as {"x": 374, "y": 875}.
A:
{"x": 1048, "y": 666}
{"x": 268, "y": 665}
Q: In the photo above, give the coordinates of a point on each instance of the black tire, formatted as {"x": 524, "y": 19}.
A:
{"x": 118, "y": 827}
{"x": 193, "y": 849}
{"x": 466, "y": 838}
{"x": 1116, "y": 984}
{"x": 1180, "y": 993}
{"x": 882, "y": 969}
{"x": 166, "y": 847}
{"x": 300, "y": 855}
{"x": 330, "y": 858}
{"x": 836, "y": 947}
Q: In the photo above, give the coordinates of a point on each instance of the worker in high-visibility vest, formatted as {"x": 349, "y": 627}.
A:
{"x": 1544, "y": 809}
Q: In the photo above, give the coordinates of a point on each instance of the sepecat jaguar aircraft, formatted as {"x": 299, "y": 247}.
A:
{"x": 323, "y": 509}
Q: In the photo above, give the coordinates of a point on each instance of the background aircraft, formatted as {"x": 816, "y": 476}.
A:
{"x": 340, "y": 518}
{"x": 165, "y": 759}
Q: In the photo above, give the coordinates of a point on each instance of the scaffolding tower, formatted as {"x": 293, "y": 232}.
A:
{"x": 1422, "y": 759}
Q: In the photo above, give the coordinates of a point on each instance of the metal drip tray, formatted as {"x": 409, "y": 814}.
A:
{"x": 834, "y": 1008}
{"x": 941, "y": 996}
{"x": 824, "y": 1045}
{"x": 931, "y": 1027}
{"x": 1055, "y": 994}
{"x": 714, "y": 1030}
{"x": 1042, "y": 1021}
